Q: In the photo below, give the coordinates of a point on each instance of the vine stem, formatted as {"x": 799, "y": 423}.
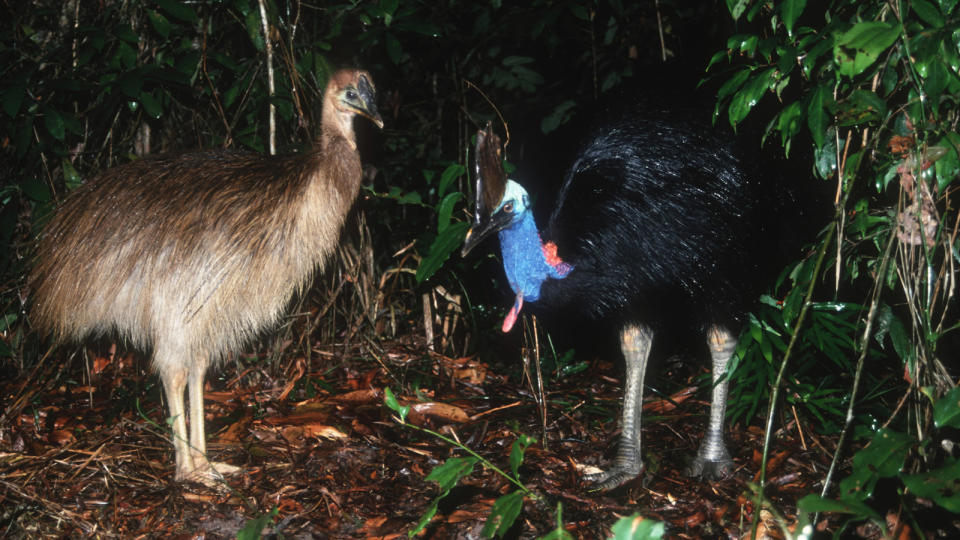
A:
{"x": 775, "y": 392}
{"x": 270, "y": 83}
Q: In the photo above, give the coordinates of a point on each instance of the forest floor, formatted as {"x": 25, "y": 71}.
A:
{"x": 85, "y": 451}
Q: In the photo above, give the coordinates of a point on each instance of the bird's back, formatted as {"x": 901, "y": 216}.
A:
{"x": 656, "y": 216}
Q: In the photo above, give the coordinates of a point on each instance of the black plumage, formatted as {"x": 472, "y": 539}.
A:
{"x": 654, "y": 228}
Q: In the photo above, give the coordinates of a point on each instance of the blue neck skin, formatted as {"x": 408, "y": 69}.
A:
{"x": 523, "y": 258}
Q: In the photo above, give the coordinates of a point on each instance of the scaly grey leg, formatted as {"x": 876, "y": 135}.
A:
{"x": 713, "y": 460}
{"x": 635, "y": 341}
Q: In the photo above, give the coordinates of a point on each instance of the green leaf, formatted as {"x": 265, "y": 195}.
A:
{"x": 928, "y": 12}
{"x": 946, "y": 411}
{"x": 452, "y": 471}
{"x": 53, "y": 121}
{"x": 70, "y": 175}
{"x": 160, "y": 23}
{"x": 446, "y": 242}
{"x": 859, "y": 47}
{"x": 12, "y": 98}
{"x": 391, "y": 402}
{"x": 450, "y": 174}
{"x": 748, "y": 96}
{"x": 817, "y": 118}
{"x": 179, "y": 10}
{"x": 814, "y": 503}
{"x": 636, "y": 527}
{"x": 942, "y": 485}
{"x": 558, "y": 116}
{"x": 790, "y": 10}
{"x": 151, "y": 105}
{"x": 732, "y": 84}
{"x": 394, "y": 49}
{"x": 883, "y": 458}
{"x": 425, "y": 518}
{"x": 516, "y": 453}
{"x": 504, "y": 512}
{"x": 445, "y": 210}
{"x": 737, "y": 7}
{"x": 255, "y": 29}
{"x": 860, "y": 107}
{"x": 948, "y": 166}
{"x": 253, "y": 528}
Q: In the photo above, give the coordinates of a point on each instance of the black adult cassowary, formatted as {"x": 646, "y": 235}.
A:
{"x": 651, "y": 230}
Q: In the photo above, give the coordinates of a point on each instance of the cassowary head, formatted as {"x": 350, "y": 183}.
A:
{"x": 500, "y": 202}
{"x": 351, "y": 92}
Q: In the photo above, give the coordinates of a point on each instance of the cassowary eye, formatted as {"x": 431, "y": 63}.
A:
{"x": 508, "y": 208}
{"x": 351, "y": 94}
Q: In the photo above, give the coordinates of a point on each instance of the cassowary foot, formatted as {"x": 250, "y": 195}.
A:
{"x": 710, "y": 469}
{"x": 612, "y": 478}
{"x": 626, "y": 466}
{"x": 209, "y": 473}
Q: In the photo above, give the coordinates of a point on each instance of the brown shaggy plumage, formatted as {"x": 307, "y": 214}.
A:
{"x": 192, "y": 255}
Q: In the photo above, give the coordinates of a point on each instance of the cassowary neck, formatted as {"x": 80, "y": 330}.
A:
{"x": 527, "y": 261}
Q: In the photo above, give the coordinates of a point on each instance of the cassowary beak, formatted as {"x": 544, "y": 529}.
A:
{"x": 482, "y": 228}
{"x": 366, "y": 102}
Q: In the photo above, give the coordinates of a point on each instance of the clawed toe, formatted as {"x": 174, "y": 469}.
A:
{"x": 710, "y": 469}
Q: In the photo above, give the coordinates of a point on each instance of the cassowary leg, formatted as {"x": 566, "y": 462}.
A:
{"x": 635, "y": 341}
{"x": 174, "y": 383}
{"x": 205, "y": 471}
{"x": 713, "y": 460}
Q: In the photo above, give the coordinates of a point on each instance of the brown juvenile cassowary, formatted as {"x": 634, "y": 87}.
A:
{"x": 652, "y": 231}
{"x": 190, "y": 256}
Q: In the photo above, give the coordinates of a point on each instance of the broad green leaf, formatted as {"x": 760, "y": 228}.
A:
{"x": 860, "y": 107}
{"x": 883, "y": 458}
{"x": 788, "y": 124}
{"x": 941, "y": 485}
{"x": 70, "y": 175}
{"x": 733, "y": 84}
{"x": 859, "y": 47}
{"x": 790, "y": 10}
{"x": 255, "y": 526}
{"x": 394, "y": 49}
{"x": 935, "y": 80}
{"x": 12, "y": 98}
{"x": 817, "y": 118}
{"x": 737, "y": 7}
{"x": 391, "y": 402}
{"x": 636, "y": 527}
{"x": 452, "y": 471}
{"x": 450, "y": 174}
{"x": 560, "y": 533}
{"x": 425, "y": 518}
{"x": 928, "y": 12}
{"x": 558, "y": 116}
{"x": 516, "y": 452}
{"x": 504, "y": 512}
{"x": 948, "y": 166}
{"x": 946, "y": 411}
{"x": 53, "y": 121}
{"x": 445, "y": 210}
{"x": 160, "y": 23}
{"x": 814, "y": 503}
{"x": 446, "y": 243}
{"x": 150, "y": 105}
{"x": 748, "y": 96}
{"x": 178, "y": 10}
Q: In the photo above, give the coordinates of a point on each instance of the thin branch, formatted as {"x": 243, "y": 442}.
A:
{"x": 270, "y": 85}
